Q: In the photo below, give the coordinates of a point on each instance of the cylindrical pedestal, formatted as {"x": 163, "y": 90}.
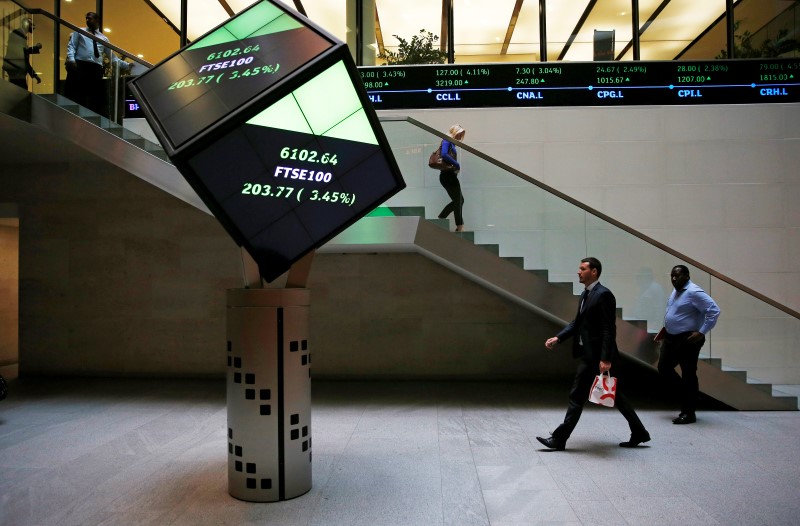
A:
{"x": 268, "y": 394}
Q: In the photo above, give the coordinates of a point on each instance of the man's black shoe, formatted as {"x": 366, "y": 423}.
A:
{"x": 636, "y": 440}
{"x": 685, "y": 418}
{"x": 552, "y": 443}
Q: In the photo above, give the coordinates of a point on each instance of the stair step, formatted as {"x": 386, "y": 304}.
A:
{"x": 567, "y": 285}
{"x": 408, "y": 210}
{"x": 467, "y": 236}
{"x": 639, "y": 324}
{"x": 123, "y": 133}
{"x": 741, "y": 375}
{"x": 161, "y": 155}
{"x": 766, "y": 388}
{"x": 715, "y": 362}
{"x": 97, "y": 120}
{"x": 72, "y": 108}
{"x": 542, "y": 273}
{"x": 441, "y": 223}
{"x": 518, "y": 261}
{"x": 139, "y": 143}
{"x": 59, "y": 100}
{"x": 151, "y": 146}
{"x": 494, "y": 249}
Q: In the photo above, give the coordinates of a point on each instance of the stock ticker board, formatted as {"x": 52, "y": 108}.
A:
{"x": 746, "y": 81}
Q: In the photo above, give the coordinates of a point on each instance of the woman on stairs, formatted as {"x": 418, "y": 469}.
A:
{"x": 449, "y": 178}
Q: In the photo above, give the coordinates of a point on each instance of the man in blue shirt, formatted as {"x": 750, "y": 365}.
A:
{"x": 85, "y": 66}
{"x": 691, "y": 313}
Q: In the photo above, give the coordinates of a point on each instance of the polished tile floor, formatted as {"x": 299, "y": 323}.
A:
{"x": 125, "y": 452}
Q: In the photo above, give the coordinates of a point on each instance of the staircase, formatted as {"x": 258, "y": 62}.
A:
{"x": 404, "y": 229}
{"x": 58, "y": 115}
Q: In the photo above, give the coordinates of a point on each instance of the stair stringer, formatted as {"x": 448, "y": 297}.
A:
{"x": 49, "y": 117}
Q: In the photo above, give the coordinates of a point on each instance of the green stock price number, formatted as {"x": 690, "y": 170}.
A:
{"x": 310, "y": 156}
{"x": 233, "y": 52}
{"x": 288, "y": 192}
{"x": 235, "y": 74}
{"x": 333, "y": 197}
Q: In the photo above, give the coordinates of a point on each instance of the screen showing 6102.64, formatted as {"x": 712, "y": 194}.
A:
{"x": 226, "y": 68}
{"x": 298, "y": 172}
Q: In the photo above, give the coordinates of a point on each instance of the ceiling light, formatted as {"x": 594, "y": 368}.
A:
{"x": 106, "y": 30}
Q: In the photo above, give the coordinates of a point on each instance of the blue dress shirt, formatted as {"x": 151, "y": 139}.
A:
{"x": 690, "y": 309}
{"x": 80, "y": 47}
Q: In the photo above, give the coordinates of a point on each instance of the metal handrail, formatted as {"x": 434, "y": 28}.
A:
{"x": 73, "y": 27}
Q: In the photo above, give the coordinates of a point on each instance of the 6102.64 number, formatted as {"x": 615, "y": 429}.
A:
{"x": 308, "y": 155}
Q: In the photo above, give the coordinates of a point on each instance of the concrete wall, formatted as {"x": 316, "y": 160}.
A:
{"x": 119, "y": 278}
{"x": 116, "y": 277}
{"x": 400, "y": 315}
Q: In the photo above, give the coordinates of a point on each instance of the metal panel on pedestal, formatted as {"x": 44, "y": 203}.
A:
{"x": 269, "y": 394}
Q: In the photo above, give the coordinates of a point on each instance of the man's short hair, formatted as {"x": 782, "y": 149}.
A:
{"x": 683, "y": 268}
{"x": 594, "y": 263}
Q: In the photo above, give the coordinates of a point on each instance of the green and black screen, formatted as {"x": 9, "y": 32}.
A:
{"x": 285, "y": 157}
{"x": 226, "y": 68}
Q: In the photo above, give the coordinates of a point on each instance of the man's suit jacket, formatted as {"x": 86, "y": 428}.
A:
{"x": 596, "y": 325}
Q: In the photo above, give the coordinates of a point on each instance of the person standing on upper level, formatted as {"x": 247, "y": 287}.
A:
{"x": 691, "y": 314}
{"x": 85, "y": 66}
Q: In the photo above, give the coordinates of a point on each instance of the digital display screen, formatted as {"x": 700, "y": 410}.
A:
{"x": 224, "y": 69}
{"x": 583, "y": 84}
{"x": 298, "y": 172}
{"x": 266, "y": 119}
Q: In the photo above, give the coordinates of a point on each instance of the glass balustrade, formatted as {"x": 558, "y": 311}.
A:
{"x": 553, "y": 232}
{"x": 48, "y": 61}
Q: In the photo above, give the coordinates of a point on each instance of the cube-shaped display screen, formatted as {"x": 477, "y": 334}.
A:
{"x": 226, "y": 68}
{"x": 294, "y": 174}
{"x": 266, "y": 117}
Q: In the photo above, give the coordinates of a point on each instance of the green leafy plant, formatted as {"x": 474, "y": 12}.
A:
{"x": 743, "y": 47}
{"x": 421, "y": 49}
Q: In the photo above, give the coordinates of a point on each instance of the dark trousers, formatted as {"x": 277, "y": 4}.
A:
{"x": 579, "y": 395}
{"x": 677, "y": 351}
{"x": 86, "y": 87}
{"x": 22, "y": 83}
{"x": 449, "y": 180}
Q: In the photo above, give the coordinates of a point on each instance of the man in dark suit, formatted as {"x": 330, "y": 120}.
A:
{"x": 594, "y": 334}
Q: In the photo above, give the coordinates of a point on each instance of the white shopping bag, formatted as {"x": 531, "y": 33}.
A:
{"x": 604, "y": 390}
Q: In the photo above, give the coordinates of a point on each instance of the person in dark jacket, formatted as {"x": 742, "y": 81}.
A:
{"x": 594, "y": 344}
{"x": 17, "y": 62}
{"x": 449, "y": 178}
